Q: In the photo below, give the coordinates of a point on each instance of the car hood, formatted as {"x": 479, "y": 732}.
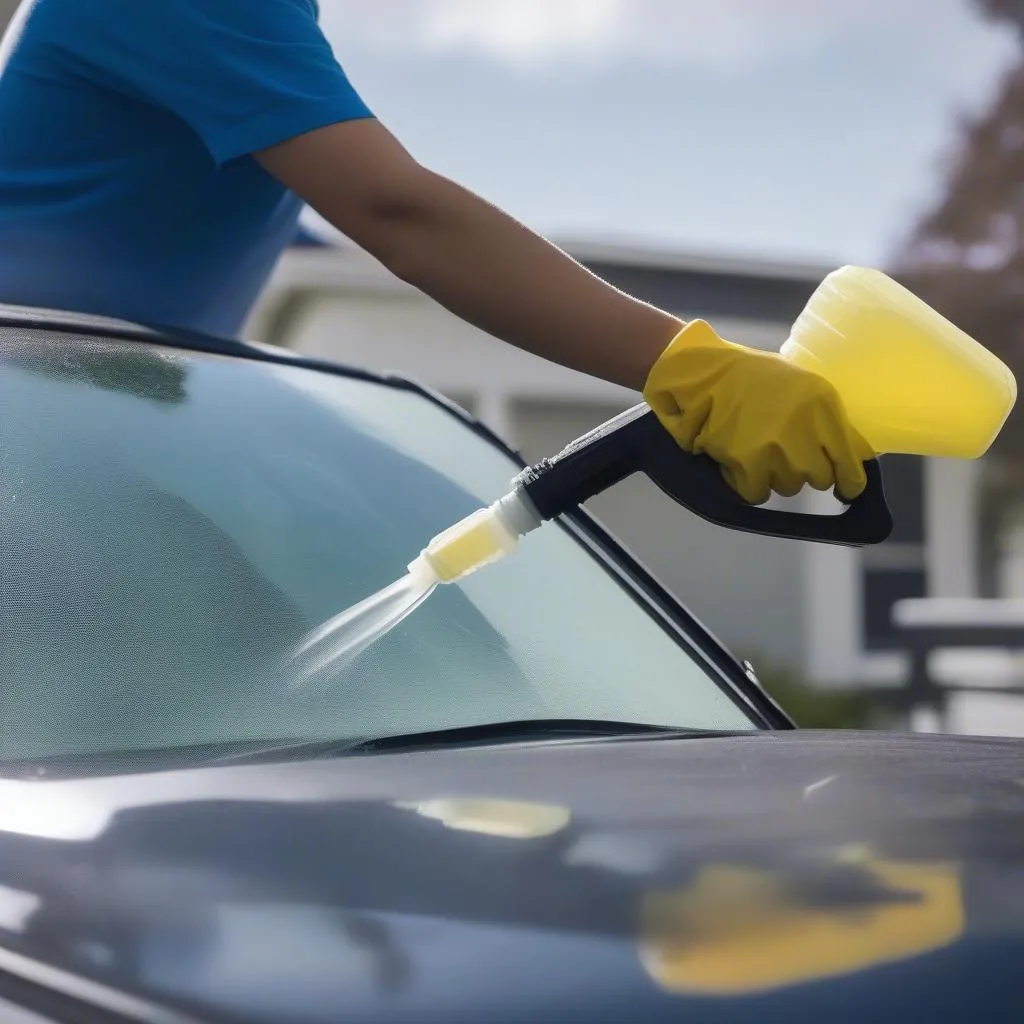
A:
{"x": 776, "y": 876}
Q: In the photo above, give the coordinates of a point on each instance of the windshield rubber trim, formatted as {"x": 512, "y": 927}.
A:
{"x": 642, "y": 585}
{"x": 683, "y": 625}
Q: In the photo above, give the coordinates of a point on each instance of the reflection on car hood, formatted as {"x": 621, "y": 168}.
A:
{"x": 773, "y": 877}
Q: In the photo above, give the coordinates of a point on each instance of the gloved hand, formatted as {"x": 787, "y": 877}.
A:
{"x": 771, "y": 425}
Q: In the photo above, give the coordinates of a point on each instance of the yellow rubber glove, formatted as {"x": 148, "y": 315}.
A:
{"x": 772, "y": 425}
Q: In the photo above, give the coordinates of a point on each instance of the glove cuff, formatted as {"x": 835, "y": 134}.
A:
{"x": 696, "y": 334}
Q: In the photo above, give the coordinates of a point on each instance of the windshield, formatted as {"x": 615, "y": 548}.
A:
{"x": 172, "y": 524}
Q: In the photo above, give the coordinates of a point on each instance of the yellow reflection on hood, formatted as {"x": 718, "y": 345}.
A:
{"x": 512, "y": 819}
{"x": 740, "y": 931}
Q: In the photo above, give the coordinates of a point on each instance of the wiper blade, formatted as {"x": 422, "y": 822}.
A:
{"x": 268, "y": 751}
{"x": 525, "y": 731}
{"x": 488, "y": 734}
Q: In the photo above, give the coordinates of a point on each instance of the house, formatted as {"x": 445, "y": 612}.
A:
{"x": 819, "y": 610}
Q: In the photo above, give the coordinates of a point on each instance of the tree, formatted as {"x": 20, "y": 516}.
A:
{"x": 966, "y": 257}
{"x": 1011, "y": 11}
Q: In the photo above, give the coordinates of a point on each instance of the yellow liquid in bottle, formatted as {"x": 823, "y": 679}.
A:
{"x": 912, "y": 382}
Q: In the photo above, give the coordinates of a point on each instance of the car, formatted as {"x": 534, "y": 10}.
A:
{"x": 547, "y": 794}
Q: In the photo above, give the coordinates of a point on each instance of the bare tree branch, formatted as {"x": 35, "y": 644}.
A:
{"x": 966, "y": 256}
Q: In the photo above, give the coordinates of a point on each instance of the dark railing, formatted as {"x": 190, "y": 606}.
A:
{"x": 928, "y": 625}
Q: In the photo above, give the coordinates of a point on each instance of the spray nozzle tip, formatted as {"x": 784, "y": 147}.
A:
{"x": 423, "y": 572}
{"x": 470, "y": 544}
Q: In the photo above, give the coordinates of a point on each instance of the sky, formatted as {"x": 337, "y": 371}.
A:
{"x": 811, "y": 130}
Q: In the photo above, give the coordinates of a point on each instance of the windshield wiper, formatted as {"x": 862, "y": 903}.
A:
{"x": 489, "y": 734}
{"x": 268, "y": 751}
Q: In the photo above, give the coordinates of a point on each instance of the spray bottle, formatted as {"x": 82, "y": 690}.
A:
{"x": 912, "y": 383}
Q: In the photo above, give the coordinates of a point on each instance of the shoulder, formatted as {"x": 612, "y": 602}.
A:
{"x": 69, "y": 17}
{"x": 111, "y": 33}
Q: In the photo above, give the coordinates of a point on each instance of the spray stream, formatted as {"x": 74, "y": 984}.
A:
{"x": 480, "y": 539}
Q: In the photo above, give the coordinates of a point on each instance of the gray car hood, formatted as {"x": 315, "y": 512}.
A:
{"x": 771, "y": 877}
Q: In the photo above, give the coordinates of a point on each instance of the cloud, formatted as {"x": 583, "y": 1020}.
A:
{"x": 713, "y": 34}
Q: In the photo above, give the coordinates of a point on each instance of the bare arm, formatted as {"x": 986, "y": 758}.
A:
{"x": 469, "y": 256}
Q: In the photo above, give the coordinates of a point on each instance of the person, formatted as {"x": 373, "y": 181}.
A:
{"x": 154, "y": 158}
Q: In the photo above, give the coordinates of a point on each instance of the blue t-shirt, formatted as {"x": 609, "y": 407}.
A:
{"x": 127, "y": 188}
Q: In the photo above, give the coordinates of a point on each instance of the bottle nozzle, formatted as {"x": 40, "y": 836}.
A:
{"x": 480, "y": 539}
